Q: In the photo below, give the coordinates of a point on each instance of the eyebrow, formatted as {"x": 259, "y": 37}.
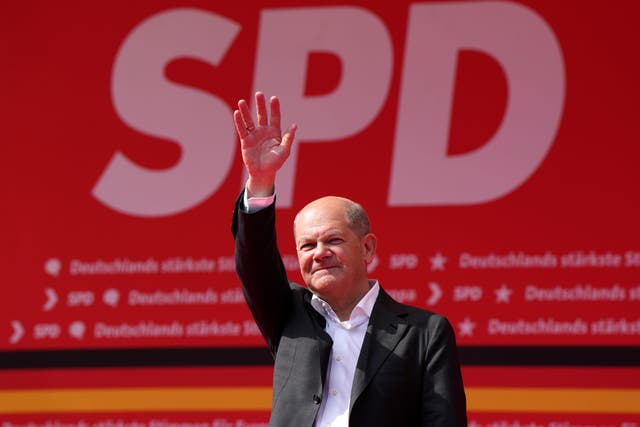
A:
{"x": 328, "y": 234}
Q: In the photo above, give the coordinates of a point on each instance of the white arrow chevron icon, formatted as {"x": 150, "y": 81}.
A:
{"x": 52, "y": 299}
{"x": 436, "y": 293}
{"x": 18, "y": 332}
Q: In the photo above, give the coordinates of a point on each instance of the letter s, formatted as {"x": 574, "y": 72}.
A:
{"x": 148, "y": 102}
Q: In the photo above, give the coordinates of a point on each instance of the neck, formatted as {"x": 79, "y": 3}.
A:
{"x": 343, "y": 308}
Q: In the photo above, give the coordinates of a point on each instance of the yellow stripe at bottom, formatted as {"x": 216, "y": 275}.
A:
{"x": 554, "y": 400}
{"x": 479, "y": 399}
{"x": 137, "y": 399}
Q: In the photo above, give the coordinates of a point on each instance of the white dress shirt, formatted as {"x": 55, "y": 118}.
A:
{"x": 347, "y": 339}
{"x": 254, "y": 204}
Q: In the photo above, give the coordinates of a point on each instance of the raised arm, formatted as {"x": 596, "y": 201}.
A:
{"x": 264, "y": 147}
{"x": 258, "y": 262}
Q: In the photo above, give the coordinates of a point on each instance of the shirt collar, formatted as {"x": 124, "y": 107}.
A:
{"x": 361, "y": 312}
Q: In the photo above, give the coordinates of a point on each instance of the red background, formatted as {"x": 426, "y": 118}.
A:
{"x": 60, "y": 129}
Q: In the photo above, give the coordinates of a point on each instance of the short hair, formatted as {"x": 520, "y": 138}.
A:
{"x": 357, "y": 219}
{"x": 355, "y": 216}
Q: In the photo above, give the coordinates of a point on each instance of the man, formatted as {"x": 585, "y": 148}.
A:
{"x": 345, "y": 352}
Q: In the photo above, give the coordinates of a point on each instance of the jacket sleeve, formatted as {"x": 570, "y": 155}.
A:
{"x": 261, "y": 271}
{"x": 444, "y": 401}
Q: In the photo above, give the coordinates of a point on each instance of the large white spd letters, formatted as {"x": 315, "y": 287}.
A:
{"x": 420, "y": 172}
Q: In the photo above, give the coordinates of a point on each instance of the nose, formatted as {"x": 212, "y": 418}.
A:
{"x": 321, "y": 251}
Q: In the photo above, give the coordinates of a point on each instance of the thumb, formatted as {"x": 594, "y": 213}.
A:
{"x": 288, "y": 137}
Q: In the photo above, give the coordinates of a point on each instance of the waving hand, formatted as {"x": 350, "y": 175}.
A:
{"x": 264, "y": 147}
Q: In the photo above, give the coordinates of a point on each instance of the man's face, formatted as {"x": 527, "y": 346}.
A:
{"x": 333, "y": 259}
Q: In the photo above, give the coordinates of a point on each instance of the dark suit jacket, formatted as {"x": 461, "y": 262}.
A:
{"x": 407, "y": 372}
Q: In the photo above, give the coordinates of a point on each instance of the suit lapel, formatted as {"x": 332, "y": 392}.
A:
{"x": 384, "y": 331}
{"x": 324, "y": 341}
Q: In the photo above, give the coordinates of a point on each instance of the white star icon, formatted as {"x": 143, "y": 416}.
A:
{"x": 466, "y": 327}
{"x": 503, "y": 294}
{"x": 473, "y": 423}
{"x": 437, "y": 262}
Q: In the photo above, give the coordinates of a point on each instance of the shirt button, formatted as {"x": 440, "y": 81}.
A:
{"x": 338, "y": 358}
{"x": 334, "y": 392}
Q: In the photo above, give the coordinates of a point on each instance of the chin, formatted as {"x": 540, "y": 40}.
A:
{"x": 322, "y": 284}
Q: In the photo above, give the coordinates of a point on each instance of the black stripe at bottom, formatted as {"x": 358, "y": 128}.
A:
{"x": 259, "y": 356}
{"x": 550, "y": 356}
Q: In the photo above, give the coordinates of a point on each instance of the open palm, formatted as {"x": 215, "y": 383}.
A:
{"x": 264, "y": 147}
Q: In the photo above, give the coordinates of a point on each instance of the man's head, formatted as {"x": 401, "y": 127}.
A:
{"x": 334, "y": 246}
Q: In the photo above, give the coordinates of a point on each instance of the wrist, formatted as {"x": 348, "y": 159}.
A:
{"x": 260, "y": 187}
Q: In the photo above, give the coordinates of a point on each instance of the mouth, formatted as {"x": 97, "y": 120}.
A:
{"x": 323, "y": 268}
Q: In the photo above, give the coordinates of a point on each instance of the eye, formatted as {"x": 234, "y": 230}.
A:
{"x": 336, "y": 241}
{"x": 306, "y": 246}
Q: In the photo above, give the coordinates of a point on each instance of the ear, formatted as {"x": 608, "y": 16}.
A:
{"x": 369, "y": 244}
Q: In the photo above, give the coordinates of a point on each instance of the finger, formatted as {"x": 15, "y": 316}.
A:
{"x": 245, "y": 113}
{"x": 288, "y": 137}
{"x": 261, "y": 109}
{"x": 274, "y": 105}
{"x": 240, "y": 126}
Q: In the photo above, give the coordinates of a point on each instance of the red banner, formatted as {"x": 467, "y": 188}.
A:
{"x": 494, "y": 145}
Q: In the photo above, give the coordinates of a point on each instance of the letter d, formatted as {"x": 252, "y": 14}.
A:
{"x": 524, "y": 45}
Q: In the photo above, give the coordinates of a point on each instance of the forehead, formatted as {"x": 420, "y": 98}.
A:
{"x": 321, "y": 218}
